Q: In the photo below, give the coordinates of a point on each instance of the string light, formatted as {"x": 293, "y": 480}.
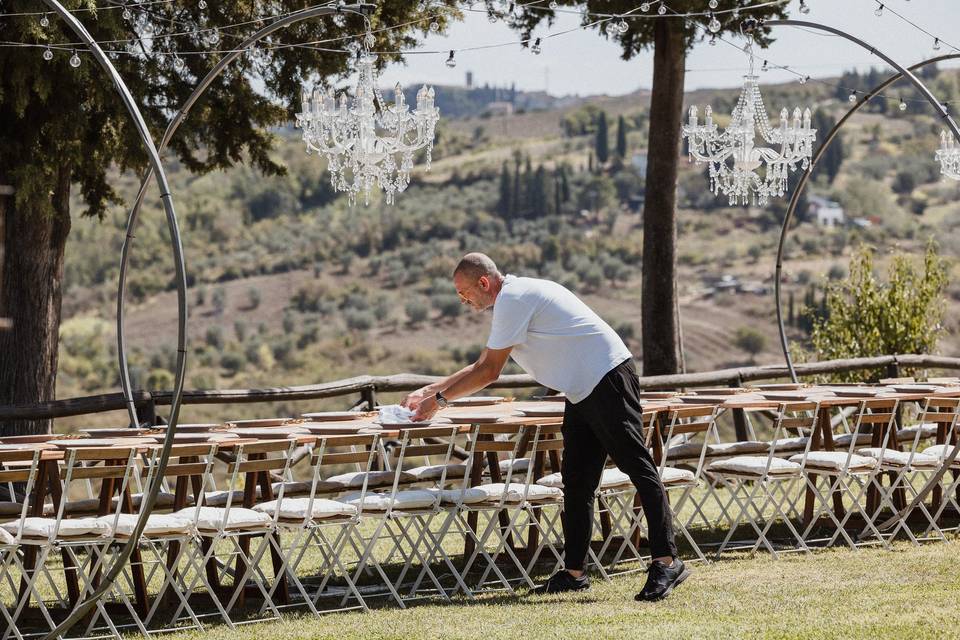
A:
{"x": 202, "y": 5}
{"x": 714, "y": 24}
{"x": 44, "y": 21}
{"x": 74, "y": 60}
{"x": 853, "y": 96}
{"x": 804, "y": 8}
{"x": 434, "y": 26}
{"x": 903, "y": 105}
{"x": 936, "y": 44}
{"x": 713, "y": 4}
{"x": 879, "y": 10}
{"x": 451, "y": 62}
{"x": 662, "y": 9}
{"x": 536, "y": 47}
{"x": 644, "y": 7}
{"x": 764, "y": 67}
{"x": 48, "y": 54}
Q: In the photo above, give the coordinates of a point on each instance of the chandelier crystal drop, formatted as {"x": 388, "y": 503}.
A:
{"x": 738, "y": 167}
{"x": 367, "y": 142}
{"x": 949, "y": 156}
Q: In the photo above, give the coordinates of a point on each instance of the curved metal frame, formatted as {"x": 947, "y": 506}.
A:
{"x": 156, "y": 165}
{"x": 901, "y": 73}
{"x": 179, "y": 117}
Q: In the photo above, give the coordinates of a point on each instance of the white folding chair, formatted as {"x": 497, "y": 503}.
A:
{"x": 762, "y": 487}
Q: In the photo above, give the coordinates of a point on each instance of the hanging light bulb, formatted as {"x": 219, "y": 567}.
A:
{"x": 879, "y": 11}
{"x": 553, "y": 5}
{"x": 451, "y": 62}
{"x": 903, "y": 105}
{"x": 764, "y": 67}
{"x": 611, "y": 28}
{"x": 213, "y": 38}
{"x": 714, "y": 24}
{"x": 644, "y": 7}
{"x": 936, "y": 44}
{"x": 803, "y": 79}
{"x": 713, "y": 4}
{"x": 177, "y": 62}
{"x": 434, "y": 26}
{"x": 44, "y": 21}
{"x": 623, "y": 26}
{"x": 202, "y": 4}
{"x": 536, "y": 47}
{"x": 804, "y": 8}
{"x": 492, "y": 17}
{"x": 74, "y": 60}
{"x": 662, "y": 9}
{"x": 127, "y": 14}
{"x": 48, "y": 54}
{"x": 853, "y": 96}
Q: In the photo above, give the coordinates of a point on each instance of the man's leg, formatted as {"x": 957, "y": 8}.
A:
{"x": 614, "y": 413}
{"x": 582, "y": 466}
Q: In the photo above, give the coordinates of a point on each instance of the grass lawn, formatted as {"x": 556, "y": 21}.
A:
{"x": 908, "y": 592}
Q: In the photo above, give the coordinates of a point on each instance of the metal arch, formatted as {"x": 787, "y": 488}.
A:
{"x": 84, "y": 607}
{"x": 749, "y": 25}
{"x": 202, "y": 86}
{"x": 795, "y": 197}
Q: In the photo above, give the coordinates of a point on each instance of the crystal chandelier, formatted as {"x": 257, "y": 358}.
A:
{"x": 367, "y": 142}
{"x": 949, "y": 156}
{"x": 733, "y": 156}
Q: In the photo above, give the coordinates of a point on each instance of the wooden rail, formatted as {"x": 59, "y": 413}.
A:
{"x": 369, "y": 386}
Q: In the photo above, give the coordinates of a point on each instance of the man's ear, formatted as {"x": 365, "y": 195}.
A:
{"x": 484, "y": 283}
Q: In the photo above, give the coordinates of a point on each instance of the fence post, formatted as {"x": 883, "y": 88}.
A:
{"x": 369, "y": 397}
{"x": 739, "y": 417}
{"x": 893, "y": 369}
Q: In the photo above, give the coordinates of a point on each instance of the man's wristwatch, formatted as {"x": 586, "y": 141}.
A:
{"x": 441, "y": 401}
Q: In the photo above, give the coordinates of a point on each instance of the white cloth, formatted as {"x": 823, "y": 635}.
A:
{"x": 34, "y": 527}
{"x": 157, "y": 524}
{"x": 394, "y": 414}
{"x": 298, "y": 508}
{"x": 556, "y": 338}
{"x": 212, "y": 518}
{"x": 755, "y": 466}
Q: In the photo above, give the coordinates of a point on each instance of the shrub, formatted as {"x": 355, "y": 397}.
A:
{"x": 214, "y": 337}
{"x": 253, "y": 298}
{"x": 359, "y": 320}
{"x": 448, "y": 305}
{"x": 416, "y": 311}
{"x": 750, "y": 340}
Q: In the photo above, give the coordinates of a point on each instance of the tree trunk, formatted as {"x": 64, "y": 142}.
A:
{"x": 32, "y": 279}
{"x": 659, "y": 322}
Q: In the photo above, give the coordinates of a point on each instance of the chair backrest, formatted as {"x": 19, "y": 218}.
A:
{"x": 190, "y": 466}
{"x": 794, "y": 417}
{"x": 330, "y": 453}
{"x": 108, "y": 469}
{"x": 500, "y": 444}
{"x": 874, "y": 416}
{"x": 696, "y": 425}
{"x": 21, "y": 469}
{"x": 940, "y": 414}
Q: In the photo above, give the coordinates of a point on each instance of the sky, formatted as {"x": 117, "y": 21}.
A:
{"x": 584, "y": 63}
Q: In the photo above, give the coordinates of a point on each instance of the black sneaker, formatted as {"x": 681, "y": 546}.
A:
{"x": 562, "y": 581}
{"x": 661, "y": 580}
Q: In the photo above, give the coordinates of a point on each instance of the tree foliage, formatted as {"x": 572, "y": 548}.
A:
{"x": 868, "y": 317}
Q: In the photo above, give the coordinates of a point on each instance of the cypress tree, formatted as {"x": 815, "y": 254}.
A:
{"x": 602, "y": 144}
{"x": 505, "y": 201}
{"x": 621, "y": 137}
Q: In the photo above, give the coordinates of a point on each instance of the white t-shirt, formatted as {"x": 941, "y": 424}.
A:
{"x": 556, "y": 338}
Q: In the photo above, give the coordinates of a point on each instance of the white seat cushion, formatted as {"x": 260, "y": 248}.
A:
{"x": 520, "y": 465}
{"x": 755, "y": 466}
{"x": 298, "y": 508}
{"x": 843, "y": 440}
{"x": 409, "y": 499}
{"x": 795, "y": 443}
{"x": 470, "y": 495}
{"x": 894, "y": 458}
{"x": 6, "y": 539}
{"x": 927, "y": 430}
{"x": 291, "y": 489}
{"x": 514, "y": 492}
{"x": 434, "y": 471}
{"x": 835, "y": 460}
{"x": 157, "y": 524}
{"x": 354, "y": 479}
{"x": 212, "y": 518}
{"x": 610, "y": 479}
{"x": 685, "y": 451}
{"x": 737, "y": 447}
{"x": 671, "y": 476}
{"x": 35, "y": 527}
{"x": 219, "y": 499}
{"x": 942, "y": 452}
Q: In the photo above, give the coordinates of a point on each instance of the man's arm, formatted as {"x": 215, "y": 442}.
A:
{"x": 471, "y": 378}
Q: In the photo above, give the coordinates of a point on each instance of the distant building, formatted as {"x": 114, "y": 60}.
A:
{"x": 500, "y": 108}
{"x": 826, "y": 213}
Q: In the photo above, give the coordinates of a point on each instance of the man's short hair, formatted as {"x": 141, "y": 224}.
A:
{"x": 475, "y": 266}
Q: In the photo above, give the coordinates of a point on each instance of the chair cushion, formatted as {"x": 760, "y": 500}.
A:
{"x": 791, "y": 444}
{"x": 927, "y": 430}
{"x": 843, "y": 440}
{"x": 520, "y": 465}
{"x": 610, "y": 479}
{"x": 470, "y": 495}
{"x": 408, "y": 499}
{"x": 941, "y": 452}
{"x": 737, "y": 447}
{"x": 835, "y": 460}
{"x": 212, "y": 518}
{"x": 755, "y": 466}
{"x": 434, "y": 471}
{"x": 35, "y": 527}
{"x": 894, "y": 458}
{"x": 354, "y": 479}
{"x": 685, "y": 451}
{"x": 219, "y": 499}
{"x": 298, "y": 508}
{"x": 671, "y": 476}
{"x": 157, "y": 524}
{"x": 514, "y": 492}
{"x": 291, "y": 489}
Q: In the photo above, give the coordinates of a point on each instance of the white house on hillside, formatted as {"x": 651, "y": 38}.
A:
{"x": 824, "y": 212}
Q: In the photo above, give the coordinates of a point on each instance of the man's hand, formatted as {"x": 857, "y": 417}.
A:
{"x": 425, "y": 409}
{"x": 413, "y": 400}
